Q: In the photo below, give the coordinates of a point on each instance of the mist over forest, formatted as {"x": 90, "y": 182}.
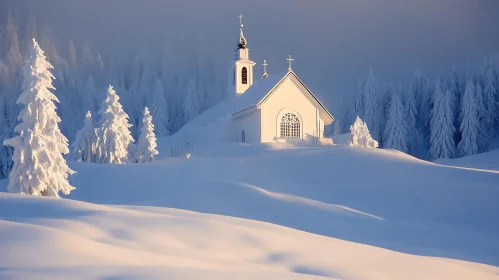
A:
{"x": 333, "y": 42}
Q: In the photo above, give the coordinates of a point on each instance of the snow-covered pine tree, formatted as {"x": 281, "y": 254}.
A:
{"x": 359, "y": 99}
{"x": 146, "y": 146}
{"x": 360, "y": 136}
{"x": 71, "y": 105}
{"x": 470, "y": 124}
{"x": 5, "y": 133}
{"x": 135, "y": 100}
{"x": 72, "y": 54}
{"x": 453, "y": 85}
{"x": 89, "y": 94}
{"x": 396, "y": 126}
{"x": 114, "y": 137}
{"x": 83, "y": 147}
{"x": 422, "y": 94}
{"x": 7, "y": 119}
{"x": 347, "y": 115}
{"x": 39, "y": 167}
{"x": 384, "y": 110}
{"x": 490, "y": 99}
{"x": 442, "y": 129}
{"x": 482, "y": 113}
{"x": 14, "y": 54}
{"x": 159, "y": 110}
{"x": 87, "y": 57}
{"x": 190, "y": 104}
{"x": 336, "y": 128}
{"x": 411, "y": 119}
{"x": 371, "y": 113}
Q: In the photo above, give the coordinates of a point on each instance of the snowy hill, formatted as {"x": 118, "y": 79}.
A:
{"x": 326, "y": 197}
{"x": 64, "y": 239}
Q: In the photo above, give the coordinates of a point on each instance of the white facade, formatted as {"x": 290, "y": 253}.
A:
{"x": 288, "y": 111}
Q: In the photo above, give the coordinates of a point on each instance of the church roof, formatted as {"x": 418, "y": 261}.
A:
{"x": 251, "y": 100}
{"x": 256, "y": 92}
{"x": 262, "y": 89}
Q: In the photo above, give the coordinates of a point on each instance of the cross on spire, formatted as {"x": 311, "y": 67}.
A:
{"x": 265, "y": 75}
{"x": 242, "y": 41}
{"x": 289, "y": 59}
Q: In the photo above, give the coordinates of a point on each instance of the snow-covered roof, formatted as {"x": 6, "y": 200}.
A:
{"x": 261, "y": 90}
{"x": 257, "y": 92}
{"x": 252, "y": 99}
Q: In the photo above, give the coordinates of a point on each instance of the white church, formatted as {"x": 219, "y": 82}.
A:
{"x": 267, "y": 109}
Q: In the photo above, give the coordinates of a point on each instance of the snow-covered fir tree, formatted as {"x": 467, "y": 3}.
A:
{"x": 84, "y": 146}
{"x": 190, "y": 104}
{"x": 136, "y": 101}
{"x": 422, "y": 95}
{"x": 482, "y": 136}
{"x": 490, "y": 94}
{"x": 442, "y": 129}
{"x": 396, "y": 126}
{"x": 14, "y": 54}
{"x": 146, "y": 146}
{"x": 114, "y": 136}
{"x": 470, "y": 124}
{"x": 89, "y": 96}
{"x": 453, "y": 85}
{"x": 159, "y": 110}
{"x": 72, "y": 53}
{"x": 359, "y": 99}
{"x": 371, "y": 112}
{"x": 384, "y": 110}
{"x": 411, "y": 112}
{"x": 336, "y": 128}
{"x": 360, "y": 136}
{"x": 39, "y": 167}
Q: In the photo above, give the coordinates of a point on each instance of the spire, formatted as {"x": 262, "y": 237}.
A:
{"x": 242, "y": 41}
{"x": 265, "y": 75}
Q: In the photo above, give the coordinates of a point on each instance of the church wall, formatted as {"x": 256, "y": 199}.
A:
{"x": 289, "y": 97}
{"x": 250, "y": 123}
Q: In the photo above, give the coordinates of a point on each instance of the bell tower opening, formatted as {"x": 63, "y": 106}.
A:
{"x": 244, "y": 76}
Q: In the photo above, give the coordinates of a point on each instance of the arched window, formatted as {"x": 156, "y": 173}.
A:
{"x": 244, "y": 76}
{"x": 290, "y": 126}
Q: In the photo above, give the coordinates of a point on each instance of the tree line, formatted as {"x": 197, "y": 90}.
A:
{"x": 457, "y": 115}
{"x": 81, "y": 78}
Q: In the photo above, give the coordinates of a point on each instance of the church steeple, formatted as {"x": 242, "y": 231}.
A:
{"x": 241, "y": 70}
{"x": 242, "y": 41}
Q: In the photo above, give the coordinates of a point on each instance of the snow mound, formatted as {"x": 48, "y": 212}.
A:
{"x": 377, "y": 197}
{"x": 44, "y": 238}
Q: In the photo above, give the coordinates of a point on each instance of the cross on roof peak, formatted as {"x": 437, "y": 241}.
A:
{"x": 289, "y": 59}
{"x": 265, "y": 75}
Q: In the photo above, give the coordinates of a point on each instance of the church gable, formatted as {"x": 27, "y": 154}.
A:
{"x": 264, "y": 90}
{"x": 289, "y": 111}
{"x": 305, "y": 93}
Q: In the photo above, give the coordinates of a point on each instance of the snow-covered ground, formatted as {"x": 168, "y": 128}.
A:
{"x": 289, "y": 212}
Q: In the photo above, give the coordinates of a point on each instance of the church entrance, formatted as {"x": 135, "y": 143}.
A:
{"x": 290, "y": 126}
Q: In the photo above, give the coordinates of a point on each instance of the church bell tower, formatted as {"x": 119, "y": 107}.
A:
{"x": 241, "y": 70}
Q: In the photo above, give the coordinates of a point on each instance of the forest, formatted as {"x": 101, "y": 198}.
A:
{"x": 452, "y": 116}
